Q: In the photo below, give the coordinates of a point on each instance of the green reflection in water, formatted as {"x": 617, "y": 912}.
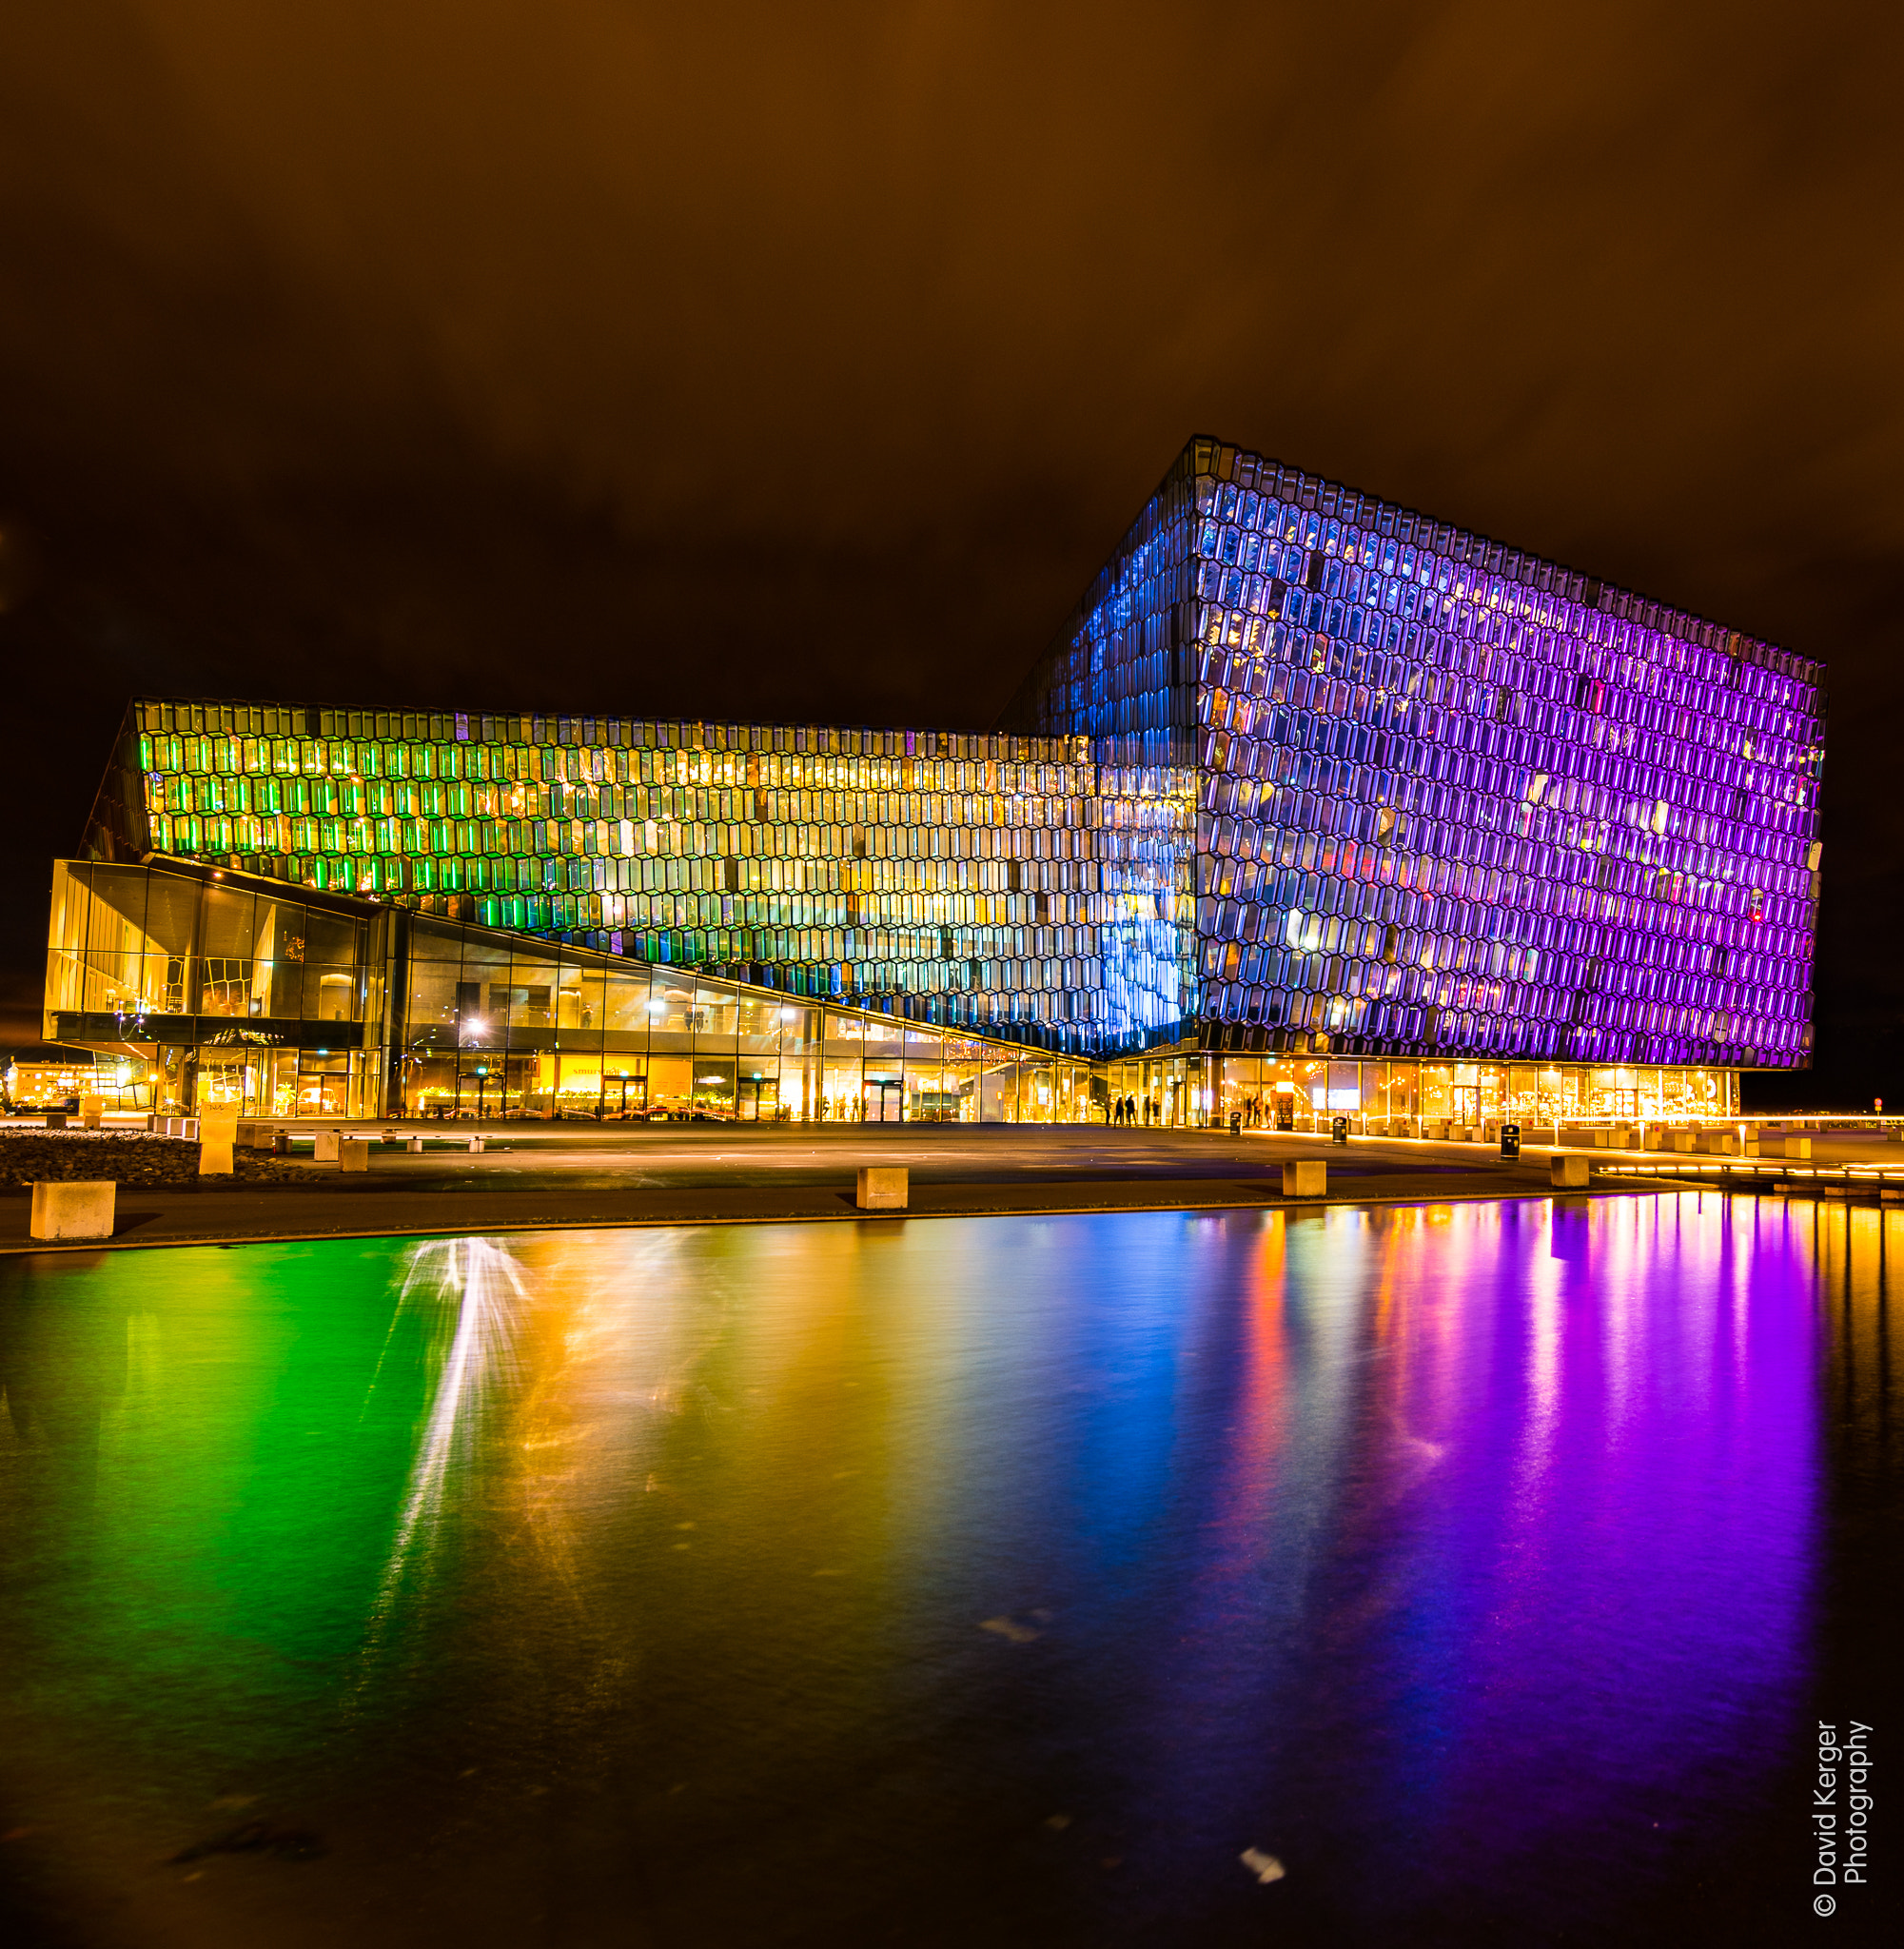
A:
{"x": 203, "y": 1484}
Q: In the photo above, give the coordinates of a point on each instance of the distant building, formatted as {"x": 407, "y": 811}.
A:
{"x": 48, "y": 1075}
{"x": 1314, "y": 804}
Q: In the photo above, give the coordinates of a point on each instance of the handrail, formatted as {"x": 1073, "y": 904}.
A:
{"x": 1757, "y": 1171}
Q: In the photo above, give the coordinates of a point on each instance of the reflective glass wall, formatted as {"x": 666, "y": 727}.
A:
{"x": 1452, "y": 798}
{"x": 226, "y": 989}
{"x": 495, "y": 1027}
{"x": 958, "y": 875}
{"x": 1123, "y": 672}
{"x": 218, "y": 993}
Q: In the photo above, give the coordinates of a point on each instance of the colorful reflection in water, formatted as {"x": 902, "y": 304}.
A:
{"x": 916, "y": 1582}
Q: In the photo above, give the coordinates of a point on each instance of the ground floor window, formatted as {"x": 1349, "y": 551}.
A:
{"x": 1394, "y": 1098}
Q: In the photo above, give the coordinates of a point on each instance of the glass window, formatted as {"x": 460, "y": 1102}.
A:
{"x": 757, "y": 1025}
{"x": 226, "y": 922}
{"x": 625, "y": 1004}
{"x": 670, "y": 1085}
{"x": 671, "y": 1006}
{"x": 997, "y": 1087}
{"x": 528, "y": 1003}
{"x": 331, "y": 994}
{"x": 579, "y": 995}
{"x": 332, "y": 939}
{"x": 802, "y": 1073}
{"x": 714, "y": 1087}
{"x": 107, "y": 909}
{"x": 842, "y": 1073}
{"x": 716, "y": 1014}
{"x": 171, "y": 914}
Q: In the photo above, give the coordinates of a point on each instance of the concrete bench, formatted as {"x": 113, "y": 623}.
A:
{"x": 80, "y": 1208}
{"x": 218, "y": 1139}
{"x": 1306, "y": 1177}
{"x": 1567, "y": 1171}
{"x": 884, "y": 1187}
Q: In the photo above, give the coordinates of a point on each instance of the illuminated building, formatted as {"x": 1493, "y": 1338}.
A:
{"x": 1312, "y": 798}
{"x": 49, "y": 1077}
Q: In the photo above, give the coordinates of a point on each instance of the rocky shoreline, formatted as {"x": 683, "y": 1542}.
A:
{"x": 130, "y": 1158}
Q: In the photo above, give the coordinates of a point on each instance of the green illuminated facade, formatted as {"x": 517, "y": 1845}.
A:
{"x": 964, "y": 878}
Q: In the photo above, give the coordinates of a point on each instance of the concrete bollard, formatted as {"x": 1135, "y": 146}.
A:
{"x": 475, "y": 1147}
{"x": 82, "y": 1210}
{"x": 353, "y": 1153}
{"x": 218, "y": 1137}
{"x": 1567, "y": 1171}
{"x": 884, "y": 1187}
{"x": 1679, "y": 1140}
{"x": 92, "y": 1109}
{"x": 1798, "y": 1147}
{"x": 415, "y": 1147}
{"x": 323, "y": 1147}
{"x": 1306, "y": 1177}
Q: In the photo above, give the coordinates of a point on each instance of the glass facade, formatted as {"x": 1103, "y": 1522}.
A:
{"x": 1450, "y": 798}
{"x": 216, "y": 989}
{"x": 211, "y": 987}
{"x": 959, "y": 873}
{"x": 1305, "y": 774}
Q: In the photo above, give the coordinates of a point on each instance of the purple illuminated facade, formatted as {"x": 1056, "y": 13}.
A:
{"x": 1450, "y": 800}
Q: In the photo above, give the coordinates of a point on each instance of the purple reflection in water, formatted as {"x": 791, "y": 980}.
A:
{"x": 1504, "y": 1566}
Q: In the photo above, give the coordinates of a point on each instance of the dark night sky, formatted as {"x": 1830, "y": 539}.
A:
{"x": 745, "y": 363}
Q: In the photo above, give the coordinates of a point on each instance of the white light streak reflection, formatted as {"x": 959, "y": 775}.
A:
{"x": 485, "y": 1287}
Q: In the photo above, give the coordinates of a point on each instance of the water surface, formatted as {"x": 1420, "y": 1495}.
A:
{"x": 940, "y": 1582}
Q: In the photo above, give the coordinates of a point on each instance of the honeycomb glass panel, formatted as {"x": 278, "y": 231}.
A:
{"x": 1303, "y": 775}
